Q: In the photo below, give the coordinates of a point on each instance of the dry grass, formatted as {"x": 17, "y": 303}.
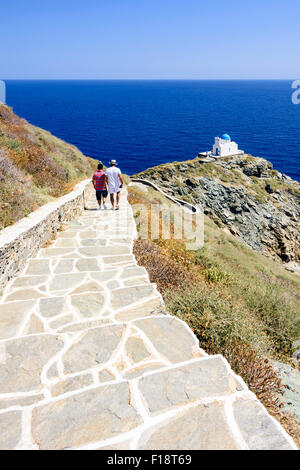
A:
{"x": 163, "y": 269}
{"x": 219, "y": 326}
{"x": 35, "y": 167}
{"x": 219, "y": 292}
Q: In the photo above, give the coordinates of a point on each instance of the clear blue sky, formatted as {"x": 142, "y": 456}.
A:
{"x": 164, "y": 39}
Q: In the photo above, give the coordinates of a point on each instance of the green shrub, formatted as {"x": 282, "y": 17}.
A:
{"x": 278, "y": 313}
{"x": 215, "y": 275}
{"x": 215, "y": 319}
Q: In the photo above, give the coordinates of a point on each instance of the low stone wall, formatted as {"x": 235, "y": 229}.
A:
{"x": 23, "y": 239}
{"x": 181, "y": 202}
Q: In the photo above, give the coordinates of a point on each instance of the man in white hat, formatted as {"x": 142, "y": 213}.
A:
{"x": 114, "y": 181}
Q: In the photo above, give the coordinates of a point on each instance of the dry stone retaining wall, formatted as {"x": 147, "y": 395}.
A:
{"x": 23, "y": 239}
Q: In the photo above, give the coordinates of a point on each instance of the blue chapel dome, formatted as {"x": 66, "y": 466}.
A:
{"x": 226, "y": 137}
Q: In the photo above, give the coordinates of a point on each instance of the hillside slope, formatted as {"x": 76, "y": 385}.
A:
{"x": 238, "y": 302}
{"x": 242, "y": 193}
{"x": 35, "y": 167}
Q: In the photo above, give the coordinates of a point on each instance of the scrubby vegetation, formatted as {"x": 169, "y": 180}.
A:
{"x": 231, "y": 174}
{"x": 238, "y": 302}
{"x": 35, "y": 167}
{"x": 244, "y": 194}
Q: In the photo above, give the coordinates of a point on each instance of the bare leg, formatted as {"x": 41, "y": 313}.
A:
{"x": 118, "y": 199}
{"x": 112, "y": 200}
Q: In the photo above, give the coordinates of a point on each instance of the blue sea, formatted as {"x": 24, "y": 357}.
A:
{"x": 145, "y": 123}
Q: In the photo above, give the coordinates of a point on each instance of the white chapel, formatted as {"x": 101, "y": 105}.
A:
{"x": 223, "y": 147}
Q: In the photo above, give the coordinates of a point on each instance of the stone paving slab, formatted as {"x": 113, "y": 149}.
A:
{"x": 180, "y": 385}
{"x": 258, "y": 431}
{"x": 171, "y": 337}
{"x": 89, "y": 358}
{"x": 92, "y": 415}
{"x": 20, "y": 401}
{"x": 11, "y": 429}
{"x": 12, "y": 316}
{"x": 23, "y": 359}
{"x": 199, "y": 428}
{"x": 94, "y": 347}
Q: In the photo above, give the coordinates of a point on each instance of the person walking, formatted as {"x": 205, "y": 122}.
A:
{"x": 99, "y": 183}
{"x": 114, "y": 181}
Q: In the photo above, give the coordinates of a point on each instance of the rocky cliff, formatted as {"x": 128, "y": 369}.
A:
{"x": 245, "y": 195}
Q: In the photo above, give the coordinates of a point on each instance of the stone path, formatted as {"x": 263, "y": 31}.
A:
{"x": 89, "y": 359}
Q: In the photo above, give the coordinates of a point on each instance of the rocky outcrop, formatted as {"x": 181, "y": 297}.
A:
{"x": 243, "y": 193}
{"x": 291, "y": 381}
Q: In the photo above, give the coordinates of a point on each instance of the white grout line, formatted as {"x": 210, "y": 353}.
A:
{"x": 26, "y": 441}
{"x": 236, "y": 433}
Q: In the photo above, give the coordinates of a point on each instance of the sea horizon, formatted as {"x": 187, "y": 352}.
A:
{"x": 148, "y": 79}
{"x": 147, "y": 122}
